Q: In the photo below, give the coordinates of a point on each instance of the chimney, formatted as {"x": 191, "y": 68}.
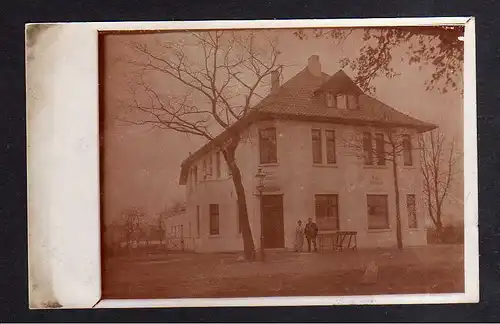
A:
{"x": 314, "y": 66}
{"x": 275, "y": 81}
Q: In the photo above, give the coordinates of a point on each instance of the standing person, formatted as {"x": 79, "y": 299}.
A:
{"x": 299, "y": 237}
{"x": 311, "y": 232}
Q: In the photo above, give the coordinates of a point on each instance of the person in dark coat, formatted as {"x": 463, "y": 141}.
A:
{"x": 311, "y": 231}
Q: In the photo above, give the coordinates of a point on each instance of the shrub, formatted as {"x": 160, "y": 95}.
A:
{"x": 450, "y": 234}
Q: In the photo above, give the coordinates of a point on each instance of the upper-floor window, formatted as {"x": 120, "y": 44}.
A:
{"x": 267, "y": 145}
{"x": 367, "y": 148}
{"x": 407, "y": 150}
{"x": 330, "y": 147}
{"x": 204, "y": 170}
{"x": 346, "y": 101}
{"x": 352, "y": 101}
{"x": 380, "y": 148}
{"x": 217, "y": 164}
{"x": 209, "y": 165}
{"x": 342, "y": 101}
{"x": 330, "y": 99}
{"x": 316, "y": 146}
{"x": 195, "y": 174}
{"x": 369, "y": 151}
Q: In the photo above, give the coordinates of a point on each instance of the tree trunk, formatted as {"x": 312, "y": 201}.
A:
{"x": 246, "y": 232}
{"x": 399, "y": 237}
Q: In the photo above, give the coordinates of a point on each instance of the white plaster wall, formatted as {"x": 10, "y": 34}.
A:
{"x": 299, "y": 180}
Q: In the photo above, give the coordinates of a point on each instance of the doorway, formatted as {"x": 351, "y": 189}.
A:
{"x": 272, "y": 221}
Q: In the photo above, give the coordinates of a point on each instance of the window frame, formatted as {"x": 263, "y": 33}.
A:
{"x": 209, "y": 166}
{"x": 367, "y": 148}
{"x": 352, "y": 104}
{"x": 218, "y": 172}
{"x": 335, "y": 207}
{"x": 211, "y": 214}
{"x": 330, "y": 100}
{"x": 317, "y": 144}
{"x": 333, "y": 140}
{"x": 412, "y": 213}
{"x": 268, "y": 158}
{"x": 380, "y": 144}
{"x": 369, "y": 213}
{"x": 407, "y": 150}
{"x": 341, "y": 97}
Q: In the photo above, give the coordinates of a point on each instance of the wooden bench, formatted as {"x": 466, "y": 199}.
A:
{"x": 339, "y": 240}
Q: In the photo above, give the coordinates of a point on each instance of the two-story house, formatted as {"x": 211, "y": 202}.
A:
{"x": 295, "y": 136}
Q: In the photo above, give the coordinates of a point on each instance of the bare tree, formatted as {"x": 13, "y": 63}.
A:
{"x": 130, "y": 223}
{"x": 215, "y": 78}
{"x": 438, "y": 166}
{"x": 440, "y": 47}
{"x": 388, "y": 144}
{"x": 160, "y": 228}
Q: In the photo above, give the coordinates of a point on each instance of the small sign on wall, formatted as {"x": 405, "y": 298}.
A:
{"x": 376, "y": 180}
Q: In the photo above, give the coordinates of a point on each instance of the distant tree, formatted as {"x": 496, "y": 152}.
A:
{"x": 130, "y": 224}
{"x": 438, "y": 165}
{"x": 160, "y": 223}
{"x": 440, "y": 47}
{"x": 385, "y": 145}
{"x": 216, "y": 76}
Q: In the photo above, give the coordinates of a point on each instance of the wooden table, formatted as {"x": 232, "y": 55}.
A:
{"x": 339, "y": 240}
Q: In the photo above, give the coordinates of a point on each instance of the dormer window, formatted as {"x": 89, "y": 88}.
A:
{"x": 352, "y": 102}
{"x": 341, "y": 101}
{"x": 347, "y": 101}
{"x": 330, "y": 100}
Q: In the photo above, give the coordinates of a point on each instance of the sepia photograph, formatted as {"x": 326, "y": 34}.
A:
{"x": 282, "y": 162}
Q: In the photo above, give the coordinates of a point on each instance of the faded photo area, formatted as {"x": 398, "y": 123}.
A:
{"x": 284, "y": 162}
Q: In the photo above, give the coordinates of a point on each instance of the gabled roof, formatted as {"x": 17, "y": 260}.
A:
{"x": 340, "y": 83}
{"x": 299, "y": 98}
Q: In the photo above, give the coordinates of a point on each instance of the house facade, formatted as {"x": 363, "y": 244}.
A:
{"x": 321, "y": 143}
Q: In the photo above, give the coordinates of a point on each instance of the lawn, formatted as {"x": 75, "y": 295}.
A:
{"x": 430, "y": 269}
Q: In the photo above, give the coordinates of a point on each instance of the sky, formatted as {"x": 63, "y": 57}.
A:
{"x": 142, "y": 165}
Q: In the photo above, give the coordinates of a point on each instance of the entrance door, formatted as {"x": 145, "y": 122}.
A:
{"x": 272, "y": 214}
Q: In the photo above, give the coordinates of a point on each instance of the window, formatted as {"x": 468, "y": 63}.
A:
{"x": 341, "y": 101}
{"x": 195, "y": 173}
{"x": 316, "y": 146}
{"x": 204, "y": 170}
{"x": 378, "y": 215}
{"x": 352, "y": 101}
{"x": 217, "y": 164}
{"x": 267, "y": 141}
{"x": 214, "y": 219}
{"x": 407, "y": 150}
{"x": 367, "y": 148}
{"x": 330, "y": 99}
{"x": 380, "y": 148}
{"x": 327, "y": 216}
{"x": 209, "y": 165}
{"x": 198, "y": 221}
{"x": 330, "y": 147}
{"x": 412, "y": 210}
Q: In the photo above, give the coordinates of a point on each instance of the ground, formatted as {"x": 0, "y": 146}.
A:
{"x": 429, "y": 269}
